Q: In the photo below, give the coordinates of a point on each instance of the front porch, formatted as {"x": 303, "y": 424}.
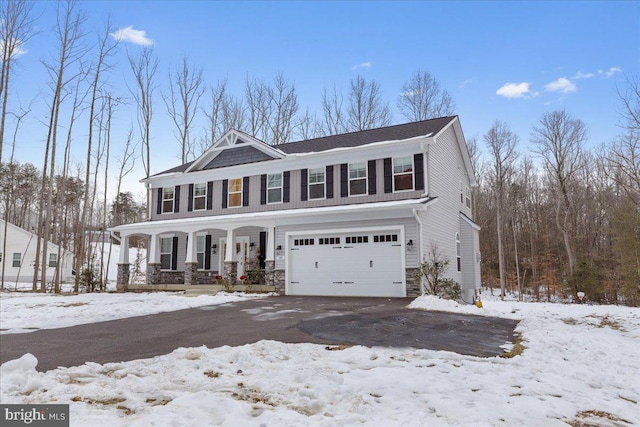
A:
{"x": 195, "y": 289}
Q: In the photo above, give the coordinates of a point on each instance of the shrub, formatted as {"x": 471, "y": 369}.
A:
{"x": 432, "y": 271}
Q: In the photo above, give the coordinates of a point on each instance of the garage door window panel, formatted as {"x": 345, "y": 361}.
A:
{"x": 403, "y": 173}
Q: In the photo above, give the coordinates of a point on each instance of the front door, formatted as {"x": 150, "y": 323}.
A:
{"x": 242, "y": 250}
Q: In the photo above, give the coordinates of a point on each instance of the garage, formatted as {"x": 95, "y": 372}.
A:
{"x": 346, "y": 264}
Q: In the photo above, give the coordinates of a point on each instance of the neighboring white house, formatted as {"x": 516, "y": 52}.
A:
{"x": 18, "y": 255}
{"x": 350, "y": 215}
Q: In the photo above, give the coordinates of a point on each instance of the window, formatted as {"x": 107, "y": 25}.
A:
{"x": 200, "y": 249}
{"x": 53, "y": 260}
{"x": 167, "y": 199}
{"x": 316, "y": 183}
{"x": 403, "y": 173}
{"x": 166, "y": 252}
{"x": 468, "y": 197}
{"x": 329, "y": 241}
{"x": 274, "y": 188}
{"x": 461, "y": 192}
{"x": 17, "y": 259}
{"x": 200, "y": 196}
{"x": 357, "y": 179}
{"x": 358, "y": 239}
{"x": 304, "y": 242}
{"x": 458, "y": 258}
{"x": 385, "y": 238}
{"x": 235, "y": 192}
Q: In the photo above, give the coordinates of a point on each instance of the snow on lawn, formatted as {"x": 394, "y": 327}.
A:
{"x": 25, "y": 312}
{"x": 579, "y": 367}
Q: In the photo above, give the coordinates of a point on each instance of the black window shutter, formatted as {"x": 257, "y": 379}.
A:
{"x": 263, "y": 248}
{"x": 303, "y": 184}
{"x": 245, "y": 191}
{"x": 190, "y": 202}
{"x": 209, "y": 195}
{"x": 207, "y": 252}
{"x": 225, "y": 192}
{"x": 344, "y": 180}
{"x": 328, "y": 176}
{"x": 263, "y": 189}
{"x": 371, "y": 166}
{"x": 286, "y": 184}
{"x": 176, "y": 200}
{"x": 418, "y": 175}
{"x": 159, "y": 210}
{"x": 174, "y": 254}
{"x": 388, "y": 176}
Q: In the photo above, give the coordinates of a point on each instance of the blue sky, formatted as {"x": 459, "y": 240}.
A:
{"x": 510, "y": 61}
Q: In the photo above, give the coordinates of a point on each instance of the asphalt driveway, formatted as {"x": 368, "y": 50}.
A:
{"x": 321, "y": 320}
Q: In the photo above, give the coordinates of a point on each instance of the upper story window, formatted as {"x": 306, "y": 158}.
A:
{"x": 357, "y": 179}
{"x": 53, "y": 260}
{"x": 200, "y": 196}
{"x": 200, "y": 251}
{"x": 274, "y": 188}
{"x": 468, "y": 197}
{"x": 17, "y": 259}
{"x": 167, "y": 199}
{"x": 403, "y": 173}
{"x": 458, "y": 254}
{"x": 235, "y": 192}
{"x": 316, "y": 183}
{"x": 166, "y": 252}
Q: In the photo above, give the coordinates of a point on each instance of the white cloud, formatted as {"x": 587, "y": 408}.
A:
{"x": 18, "y": 50}
{"x": 131, "y": 35}
{"x": 464, "y": 83}
{"x": 516, "y": 90}
{"x": 580, "y": 75}
{"x": 363, "y": 65}
{"x": 610, "y": 72}
{"x": 562, "y": 85}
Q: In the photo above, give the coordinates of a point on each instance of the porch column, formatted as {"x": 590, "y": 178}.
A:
{"x": 153, "y": 260}
{"x": 269, "y": 259}
{"x": 191, "y": 260}
{"x": 230, "y": 260}
{"x": 122, "y": 280}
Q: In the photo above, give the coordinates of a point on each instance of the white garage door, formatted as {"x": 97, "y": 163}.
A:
{"x": 346, "y": 264}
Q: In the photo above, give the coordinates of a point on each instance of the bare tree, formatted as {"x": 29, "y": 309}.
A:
{"x": 309, "y": 126}
{"x": 68, "y": 32}
{"x": 366, "y": 109}
{"x": 333, "y": 113}
{"x": 423, "y": 98}
{"x": 256, "y": 95}
{"x": 225, "y": 112}
{"x": 559, "y": 139}
{"x": 16, "y": 24}
{"x": 144, "y": 70}
{"x": 186, "y": 87}
{"x": 501, "y": 143}
{"x": 283, "y": 102}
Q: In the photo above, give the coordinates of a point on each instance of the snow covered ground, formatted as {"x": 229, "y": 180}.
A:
{"x": 580, "y": 366}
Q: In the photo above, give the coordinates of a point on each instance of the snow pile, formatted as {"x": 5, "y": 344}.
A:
{"x": 579, "y": 367}
{"x": 22, "y": 312}
{"x": 20, "y": 375}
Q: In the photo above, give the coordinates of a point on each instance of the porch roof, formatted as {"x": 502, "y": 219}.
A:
{"x": 266, "y": 219}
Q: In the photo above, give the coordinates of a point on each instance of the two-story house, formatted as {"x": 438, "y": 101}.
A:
{"x": 349, "y": 215}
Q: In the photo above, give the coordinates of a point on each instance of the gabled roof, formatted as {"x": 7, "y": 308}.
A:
{"x": 237, "y": 148}
{"x": 355, "y": 139}
{"x": 234, "y": 148}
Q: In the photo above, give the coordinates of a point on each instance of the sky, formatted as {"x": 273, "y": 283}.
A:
{"x": 508, "y": 61}
{"x": 273, "y": 383}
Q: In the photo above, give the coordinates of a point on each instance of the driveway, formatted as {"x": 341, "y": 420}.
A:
{"x": 321, "y": 320}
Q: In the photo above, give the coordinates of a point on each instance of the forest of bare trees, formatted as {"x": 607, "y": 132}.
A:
{"x": 559, "y": 219}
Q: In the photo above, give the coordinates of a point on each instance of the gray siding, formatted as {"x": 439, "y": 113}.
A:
{"x": 441, "y": 220}
{"x": 295, "y": 202}
{"x": 470, "y": 256}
